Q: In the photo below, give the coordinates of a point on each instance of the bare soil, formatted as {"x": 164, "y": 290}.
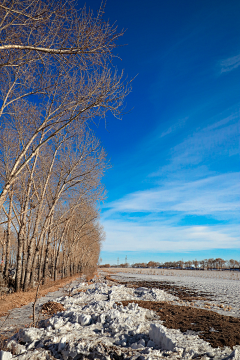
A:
{"x": 218, "y": 330}
{"x": 51, "y": 308}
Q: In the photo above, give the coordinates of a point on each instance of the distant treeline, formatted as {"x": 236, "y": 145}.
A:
{"x": 206, "y": 264}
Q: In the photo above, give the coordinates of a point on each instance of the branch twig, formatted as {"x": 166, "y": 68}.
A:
{"x": 34, "y": 304}
{"x": 5, "y": 320}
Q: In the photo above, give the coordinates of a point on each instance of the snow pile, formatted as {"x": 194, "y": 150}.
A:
{"x": 171, "y": 339}
{"x": 95, "y": 327}
{"x": 102, "y": 291}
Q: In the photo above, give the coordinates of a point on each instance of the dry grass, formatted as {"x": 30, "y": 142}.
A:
{"x": 3, "y": 343}
{"x": 16, "y": 300}
{"x": 90, "y": 276}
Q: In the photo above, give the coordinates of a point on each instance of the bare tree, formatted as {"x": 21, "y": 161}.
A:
{"x": 8, "y": 234}
{"x": 58, "y": 61}
{"x": 196, "y": 263}
{"x": 57, "y": 76}
{"x": 67, "y": 170}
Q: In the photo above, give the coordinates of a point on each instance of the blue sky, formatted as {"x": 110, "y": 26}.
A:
{"x": 173, "y": 191}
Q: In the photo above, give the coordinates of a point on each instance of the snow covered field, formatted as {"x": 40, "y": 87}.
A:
{"x": 206, "y": 274}
{"x": 95, "y": 325}
{"x": 220, "y": 285}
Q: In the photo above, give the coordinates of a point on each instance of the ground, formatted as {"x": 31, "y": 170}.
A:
{"x": 188, "y": 303}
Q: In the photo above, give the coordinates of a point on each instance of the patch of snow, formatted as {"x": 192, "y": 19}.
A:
{"x": 5, "y": 355}
{"x": 224, "y": 291}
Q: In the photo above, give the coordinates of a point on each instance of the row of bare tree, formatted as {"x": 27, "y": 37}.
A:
{"x": 52, "y": 207}
{"x": 208, "y": 264}
{"x": 57, "y": 78}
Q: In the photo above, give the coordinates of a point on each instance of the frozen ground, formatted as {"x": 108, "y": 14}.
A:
{"x": 95, "y": 326}
{"x": 219, "y": 285}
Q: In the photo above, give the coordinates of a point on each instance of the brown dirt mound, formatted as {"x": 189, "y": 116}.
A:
{"x": 52, "y": 307}
{"x": 218, "y": 330}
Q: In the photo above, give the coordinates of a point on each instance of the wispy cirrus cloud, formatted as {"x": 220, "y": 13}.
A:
{"x": 155, "y": 218}
{"x": 216, "y": 195}
{"x": 179, "y": 124}
{"x": 229, "y": 64}
{"x": 220, "y": 139}
{"x": 155, "y": 236}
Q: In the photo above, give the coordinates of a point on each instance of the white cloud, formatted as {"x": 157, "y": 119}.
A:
{"x": 219, "y": 139}
{"x": 210, "y": 196}
{"x": 216, "y": 196}
{"x": 223, "y": 122}
{"x": 179, "y": 124}
{"x": 148, "y": 220}
{"x": 131, "y": 236}
{"x": 229, "y": 64}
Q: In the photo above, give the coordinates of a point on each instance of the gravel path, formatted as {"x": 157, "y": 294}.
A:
{"x": 21, "y": 317}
